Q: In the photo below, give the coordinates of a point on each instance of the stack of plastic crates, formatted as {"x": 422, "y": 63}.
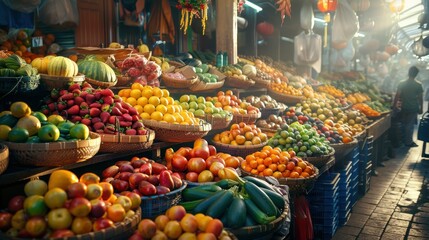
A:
{"x": 353, "y": 156}
{"x": 324, "y": 204}
{"x": 365, "y": 168}
{"x": 344, "y": 207}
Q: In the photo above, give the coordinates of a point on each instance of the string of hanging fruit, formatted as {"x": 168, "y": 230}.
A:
{"x": 189, "y": 10}
{"x": 284, "y": 8}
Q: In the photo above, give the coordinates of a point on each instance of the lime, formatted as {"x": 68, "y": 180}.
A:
{"x": 19, "y": 135}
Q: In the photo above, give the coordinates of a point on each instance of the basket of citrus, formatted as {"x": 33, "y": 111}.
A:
{"x": 289, "y": 169}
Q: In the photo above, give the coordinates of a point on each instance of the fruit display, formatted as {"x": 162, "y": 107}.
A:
{"x": 333, "y": 91}
{"x": 277, "y": 163}
{"x": 200, "y": 107}
{"x": 275, "y": 74}
{"x": 323, "y": 108}
{"x": 241, "y": 134}
{"x": 63, "y": 67}
{"x": 204, "y": 75}
{"x": 142, "y": 176}
{"x": 41, "y": 63}
{"x": 66, "y": 206}
{"x": 264, "y": 101}
{"x": 153, "y": 103}
{"x": 177, "y": 223}
{"x": 201, "y": 163}
{"x": 366, "y": 109}
{"x": 231, "y": 103}
{"x": 233, "y": 71}
{"x": 97, "y": 70}
{"x": 243, "y": 202}
{"x": 140, "y": 69}
{"x": 99, "y": 109}
{"x": 15, "y": 66}
{"x": 272, "y": 122}
{"x": 303, "y": 139}
{"x": 358, "y": 97}
{"x": 289, "y": 89}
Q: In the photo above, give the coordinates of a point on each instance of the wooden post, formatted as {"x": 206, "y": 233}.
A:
{"x": 226, "y": 28}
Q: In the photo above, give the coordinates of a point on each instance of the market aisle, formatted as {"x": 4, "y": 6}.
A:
{"x": 397, "y": 204}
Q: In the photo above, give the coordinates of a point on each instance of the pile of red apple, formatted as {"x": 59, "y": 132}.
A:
{"x": 142, "y": 176}
{"x": 99, "y": 109}
{"x": 201, "y": 163}
{"x": 140, "y": 69}
{"x": 67, "y": 208}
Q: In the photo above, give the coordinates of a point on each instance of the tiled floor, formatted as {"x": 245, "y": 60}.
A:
{"x": 397, "y": 204}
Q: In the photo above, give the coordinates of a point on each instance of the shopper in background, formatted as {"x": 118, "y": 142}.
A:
{"x": 410, "y": 93}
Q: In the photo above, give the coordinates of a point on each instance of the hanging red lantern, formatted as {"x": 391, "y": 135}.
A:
{"x": 396, "y": 6}
{"x": 265, "y": 28}
{"x": 327, "y": 5}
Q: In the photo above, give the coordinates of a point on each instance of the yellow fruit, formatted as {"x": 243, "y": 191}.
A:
{"x": 158, "y": 116}
{"x": 55, "y": 119}
{"x": 135, "y": 93}
{"x": 178, "y": 117}
{"x": 171, "y": 109}
{"x": 139, "y": 108}
{"x": 163, "y": 101}
{"x": 126, "y": 92}
{"x": 162, "y": 109}
{"x": 35, "y": 187}
{"x": 137, "y": 85}
{"x": 178, "y": 108}
{"x": 132, "y": 101}
{"x": 165, "y": 92}
{"x": 169, "y": 118}
{"x": 142, "y": 101}
{"x": 4, "y": 131}
{"x": 154, "y": 100}
{"x": 147, "y": 93}
{"x": 170, "y": 100}
{"x": 5, "y": 113}
{"x": 20, "y": 109}
{"x": 145, "y": 115}
{"x": 31, "y": 123}
{"x": 149, "y": 108}
{"x": 158, "y": 92}
{"x": 62, "y": 178}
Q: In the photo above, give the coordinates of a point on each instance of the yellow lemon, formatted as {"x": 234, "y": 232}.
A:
{"x": 149, "y": 108}
{"x": 4, "y": 131}
{"x": 161, "y": 108}
{"x": 169, "y": 118}
{"x": 55, "y": 119}
{"x": 139, "y": 108}
{"x": 135, "y": 93}
{"x": 170, "y": 100}
{"x": 158, "y": 92}
{"x": 171, "y": 109}
{"x": 166, "y": 93}
{"x": 126, "y": 92}
{"x": 158, "y": 116}
{"x": 163, "y": 101}
{"x": 147, "y": 93}
{"x": 154, "y": 100}
{"x": 145, "y": 115}
{"x": 137, "y": 85}
{"x": 142, "y": 101}
{"x": 178, "y": 108}
{"x": 131, "y": 100}
{"x": 178, "y": 117}
{"x": 20, "y": 109}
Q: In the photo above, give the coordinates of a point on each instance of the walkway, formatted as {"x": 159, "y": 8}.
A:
{"x": 397, "y": 204}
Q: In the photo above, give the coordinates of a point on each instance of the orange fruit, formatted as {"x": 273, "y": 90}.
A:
{"x": 20, "y": 109}
{"x": 62, "y": 178}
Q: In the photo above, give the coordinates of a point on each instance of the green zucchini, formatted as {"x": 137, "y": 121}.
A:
{"x": 249, "y": 221}
{"x": 190, "y": 205}
{"x": 256, "y": 213}
{"x": 226, "y": 183}
{"x": 277, "y": 199}
{"x": 259, "y": 182}
{"x": 191, "y": 194}
{"x": 236, "y": 217}
{"x": 208, "y": 187}
{"x": 260, "y": 198}
{"x": 218, "y": 207}
{"x": 206, "y": 203}
{"x": 224, "y": 219}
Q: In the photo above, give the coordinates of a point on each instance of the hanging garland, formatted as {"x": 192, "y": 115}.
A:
{"x": 189, "y": 10}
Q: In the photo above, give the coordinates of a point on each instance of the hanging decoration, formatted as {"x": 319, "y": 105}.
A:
{"x": 327, "y": 6}
{"x": 240, "y": 6}
{"x": 419, "y": 49}
{"x": 396, "y": 6}
{"x": 189, "y": 10}
{"x": 284, "y": 8}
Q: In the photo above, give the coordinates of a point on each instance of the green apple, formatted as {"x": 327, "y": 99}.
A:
{"x": 79, "y": 131}
{"x": 216, "y": 110}
{"x": 193, "y": 105}
{"x": 49, "y": 133}
{"x": 35, "y": 206}
{"x": 209, "y": 104}
{"x": 35, "y": 187}
{"x": 185, "y": 105}
{"x": 59, "y": 218}
{"x": 55, "y": 198}
{"x": 208, "y": 110}
{"x": 216, "y": 115}
{"x": 201, "y": 99}
{"x": 39, "y": 115}
{"x": 184, "y": 98}
{"x": 201, "y": 106}
{"x": 191, "y": 110}
{"x": 193, "y": 98}
{"x": 66, "y": 125}
{"x": 176, "y": 102}
{"x": 199, "y": 113}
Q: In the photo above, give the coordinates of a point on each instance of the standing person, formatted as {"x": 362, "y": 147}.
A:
{"x": 410, "y": 93}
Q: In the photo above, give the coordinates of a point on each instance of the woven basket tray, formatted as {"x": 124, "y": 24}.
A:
{"x": 266, "y": 112}
{"x": 4, "y": 158}
{"x": 239, "y": 150}
{"x": 168, "y": 132}
{"x": 125, "y": 143}
{"x": 123, "y": 81}
{"x": 51, "y": 82}
{"x": 246, "y": 118}
{"x": 319, "y": 161}
{"x": 178, "y": 83}
{"x": 156, "y": 205}
{"x": 11, "y": 85}
{"x": 54, "y": 154}
{"x": 288, "y": 99}
{"x": 342, "y": 149}
{"x": 261, "y": 231}
{"x": 202, "y": 86}
{"x": 238, "y": 82}
{"x": 97, "y": 83}
{"x": 216, "y": 122}
{"x": 261, "y": 83}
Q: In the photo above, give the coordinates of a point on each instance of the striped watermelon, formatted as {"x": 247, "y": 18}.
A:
{"x": 97, "y": 70}
{"x": 62, "y": 66}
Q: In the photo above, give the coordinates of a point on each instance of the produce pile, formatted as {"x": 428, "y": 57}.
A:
{"x": 15, "y": 66}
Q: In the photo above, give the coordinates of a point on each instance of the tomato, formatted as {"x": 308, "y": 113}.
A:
{"x": 196, "y": 164}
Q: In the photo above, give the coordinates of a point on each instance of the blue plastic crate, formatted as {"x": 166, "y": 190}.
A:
{"x": 323, "y": 195}
{"x": 326, "y": 223}
{"x": 345, "y": 219}
{"x": 346, "y": 168}
{"x": 343, "y": 197}
{"x": 344, "y": 207}
{"x": 328, "y": 180}
{"x": 326, "y": 202}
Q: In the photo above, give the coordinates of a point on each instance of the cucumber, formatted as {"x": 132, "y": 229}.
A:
{"x": 190, "y": 205}
{"x": 249, "y": 221}
{"x": 256, "y": 213}
{"x": 218, "y": 207}
{"x": 206, "y": 203}
{"x": 226, "y": 183}
{"x": 260, "y": 198}
{"x": 277, "y": 199}
{"x": 259, "y": 182}
{"x": 224, "y": 219}
{"x": 236, "y": 217}
{"x": 191, "y": 194}
{"x": 208, "y": 187}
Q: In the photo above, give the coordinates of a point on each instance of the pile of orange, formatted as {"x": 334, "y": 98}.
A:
{"x": 241, "y": 134}
{"x": 277, "y": 163}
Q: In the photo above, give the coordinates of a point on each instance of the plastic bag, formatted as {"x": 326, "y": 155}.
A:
{"x": 303, "y": 222}
{"x": 307, "y": 16}
{"x": 25, "y": 6}
{"x": 307, "y": 48}
{"x": 345, "y": 24}
{"x": 63, "y": 13}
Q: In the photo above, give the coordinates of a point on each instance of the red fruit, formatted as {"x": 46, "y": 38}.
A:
{"x": 104, "y": 116}
{"x": 16, "y": 203}
{"x": 124, "y": 175}
{"x": 110, "y": 171}
{"x": 108, "y": 100}
{"x": 166, "y": 180}
{"x": 177, "y": 181}
{"x": 78, "y": 100}
{"x": 135, "y": 179}
{"x": 157, "y": 168}
{"x": 73, "y": 110}
{"x": 86, "y": 121}
{"x": 146, "y": 168}
{"x": 98, "y": 125}
{"x": 154, "y": 179}
{"x": 94, "y": 112}
{"x": 162, "y": 190}
{"x": 130, "y": 132}
{"x": 119, "y": 185}
{"x": 179, "y": 163}
{"x": 126, "y": 168}
{"x": 147, "y": 189}
{"x": 196, "y": 164}
{"x": 138, "y": 163}
{"x": 212, "y": 150}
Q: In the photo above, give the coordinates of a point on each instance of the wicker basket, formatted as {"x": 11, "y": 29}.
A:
{"x": 246, "y": 118}
{"x": 236, "y": 82}
{"x": 218, "y": 122}
{"x": 97, "y": 83}
{"x": 11, "y": 85}
{"x": 156, "y": 205}
{"x": 266, "y": 112}
{"x": 168, "y": 132}
{"x": 54, "y": 154}
{"x": 260, "y": 232}
{"x": 269, "y": 132}
{"x": 342, "y": 149}
{"x": 51, "y": 82}
{"x": 288, "y": 99}
{"x": 238, "y": 150}
{"x": 319, "y": 161}
{"x": 125, "y": 143}
{"x": 261, "y": 83}
{"x": 178, "y": 83}
{"x": 199, "y": 86}
{"x": 4, "y": 158}
{"x": 123, "y": 81}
